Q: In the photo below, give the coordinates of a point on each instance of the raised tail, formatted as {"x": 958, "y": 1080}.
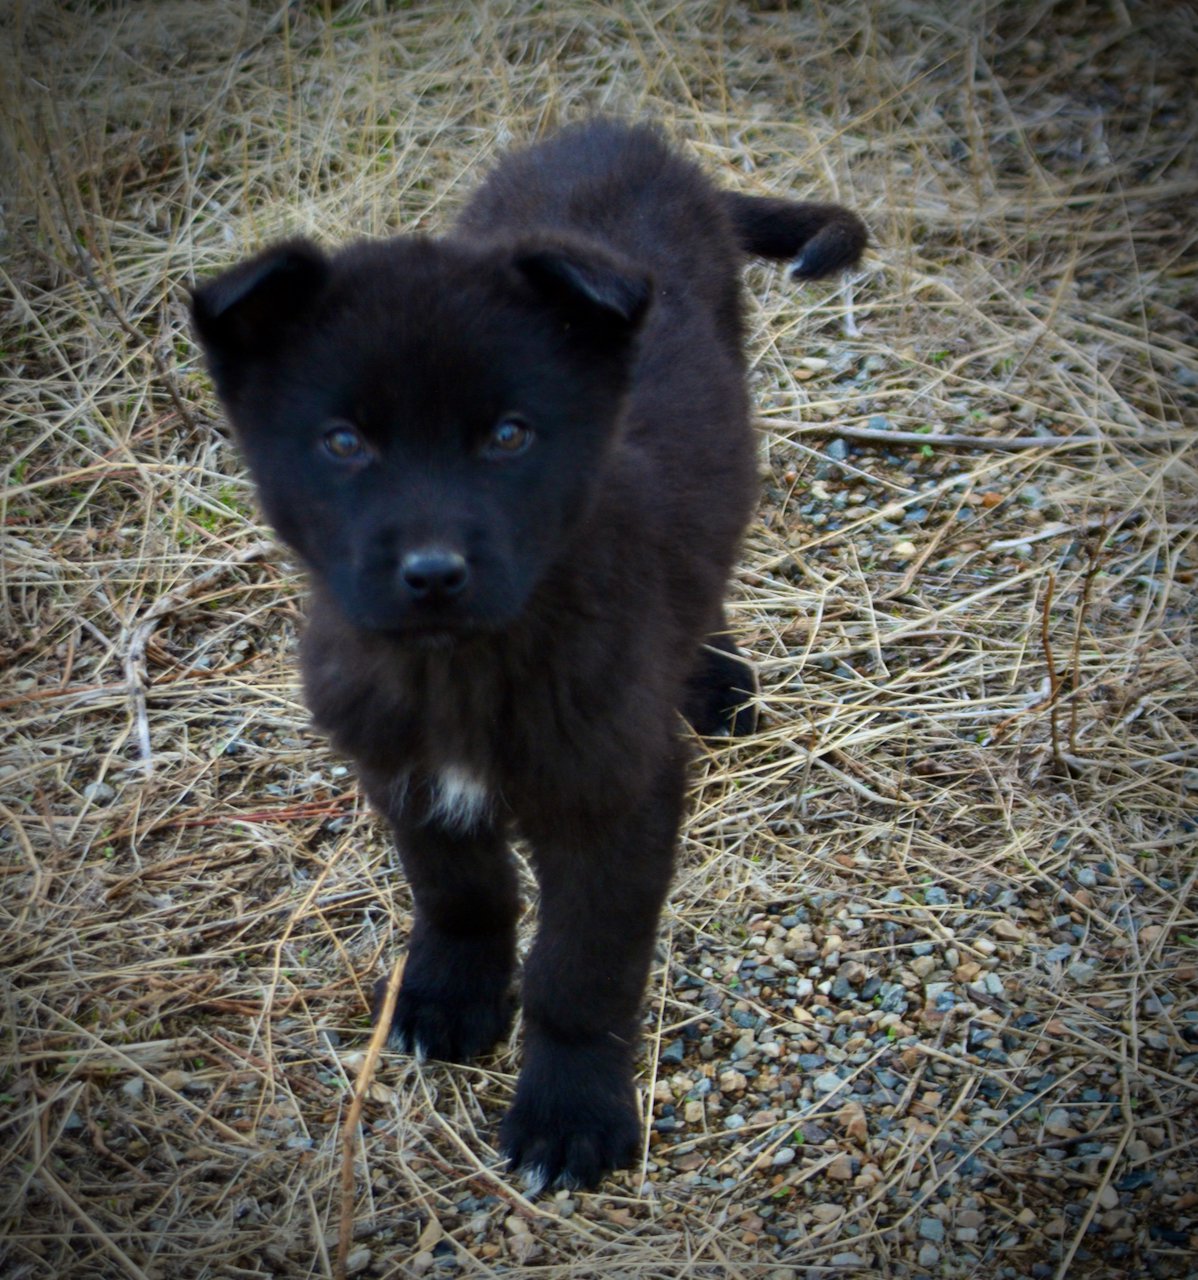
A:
{"x": 817, "y": 239}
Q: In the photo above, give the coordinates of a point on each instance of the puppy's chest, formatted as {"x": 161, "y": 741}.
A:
{"x": 394, "y": 711}
{"x": 476, "y": 731}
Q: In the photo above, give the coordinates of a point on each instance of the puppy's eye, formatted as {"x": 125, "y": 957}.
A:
{"x": 343, "y": 443}
{"x": 509, "y": 438}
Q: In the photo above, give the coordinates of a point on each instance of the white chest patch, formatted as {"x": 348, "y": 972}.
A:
{"x": 460, "y": 799}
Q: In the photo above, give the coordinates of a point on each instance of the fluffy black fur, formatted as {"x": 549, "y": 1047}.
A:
{"x": 517, "y": 462}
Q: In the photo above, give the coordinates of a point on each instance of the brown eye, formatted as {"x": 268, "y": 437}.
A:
{"x": 344, "y": 443}
{"x": 509, "y": 438}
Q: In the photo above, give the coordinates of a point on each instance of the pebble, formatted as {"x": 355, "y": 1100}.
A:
{"x": 829, "y": 1082}
{"x": 674, "y": 1052}
{"x": 733, "y": 1081}
{"x": 929, "y": 1255}
{"x": 357, "y": 1260}
{"x": 1059, "y": 1124}
{"x": 931, "y": 1229}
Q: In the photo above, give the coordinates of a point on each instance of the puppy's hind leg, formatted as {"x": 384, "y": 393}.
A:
{"x": 721, "y": 691}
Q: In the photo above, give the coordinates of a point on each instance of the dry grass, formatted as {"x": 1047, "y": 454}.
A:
{"x": 977, "y": 748}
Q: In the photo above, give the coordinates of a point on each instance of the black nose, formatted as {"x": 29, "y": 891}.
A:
{"x": 434, "y": 573}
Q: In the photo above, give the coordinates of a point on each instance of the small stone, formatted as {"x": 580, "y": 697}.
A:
{"x": 784, "y": 1155}
{"x": 855, "y": 1122}
{"x": 931, "y": 1229}
{"x": 420, "y": 1262}
{"x": 966, "y": 1235}
{"x": 1058, "y": 1124}
{"x": 1006, "y": 930}
{"x": 733, "y": 1081}
{"x": 743, "y": 1047}
{"x": 357, "y": 1260}
{"x": 903, "y": 550}
{"x": 1108, "y": 1197}
{"x": 827, "y": 1212}
{"x": 673, "y": 1053}
{"x": 992, "y": 985}
{"x": 921, "y": 966}
{"x": 929, "y": 1255}
{"x": 841, "y": 1169}
{"x": 829, "y": 1082}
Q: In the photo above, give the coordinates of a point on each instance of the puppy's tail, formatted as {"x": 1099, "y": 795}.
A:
{"x": 818, "y": 239}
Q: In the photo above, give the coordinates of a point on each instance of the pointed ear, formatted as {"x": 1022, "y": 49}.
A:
{"x": 587, "y": 283}
{"x": 247, "y": 310}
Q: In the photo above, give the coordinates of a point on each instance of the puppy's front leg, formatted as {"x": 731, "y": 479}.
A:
{"x": 456, "y": 999}
{"x": 575, "y": 1116}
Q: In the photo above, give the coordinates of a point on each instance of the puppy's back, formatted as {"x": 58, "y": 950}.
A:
{"x": 619, "y": 184}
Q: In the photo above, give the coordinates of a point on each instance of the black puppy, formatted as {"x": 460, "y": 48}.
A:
{"x": 517, "y": 463}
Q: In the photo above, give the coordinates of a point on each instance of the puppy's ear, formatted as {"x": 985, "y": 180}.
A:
{"x": 248, "y": 310}
{"x": 587, "y": 283}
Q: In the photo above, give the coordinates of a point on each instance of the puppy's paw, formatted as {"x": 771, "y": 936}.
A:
{"x": 570, "y": 1129}
{"x": 448, "y": 1032}
{"x": 447, "y": 1014}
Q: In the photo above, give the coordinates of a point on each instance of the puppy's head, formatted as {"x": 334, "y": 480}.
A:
{"x": 426, "y": 421}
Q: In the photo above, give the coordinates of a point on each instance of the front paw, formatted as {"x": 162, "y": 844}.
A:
{"x": 449, "y": 1028}
{"x": 575, "y": 1119}
{"x": 455, "y": 1001}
